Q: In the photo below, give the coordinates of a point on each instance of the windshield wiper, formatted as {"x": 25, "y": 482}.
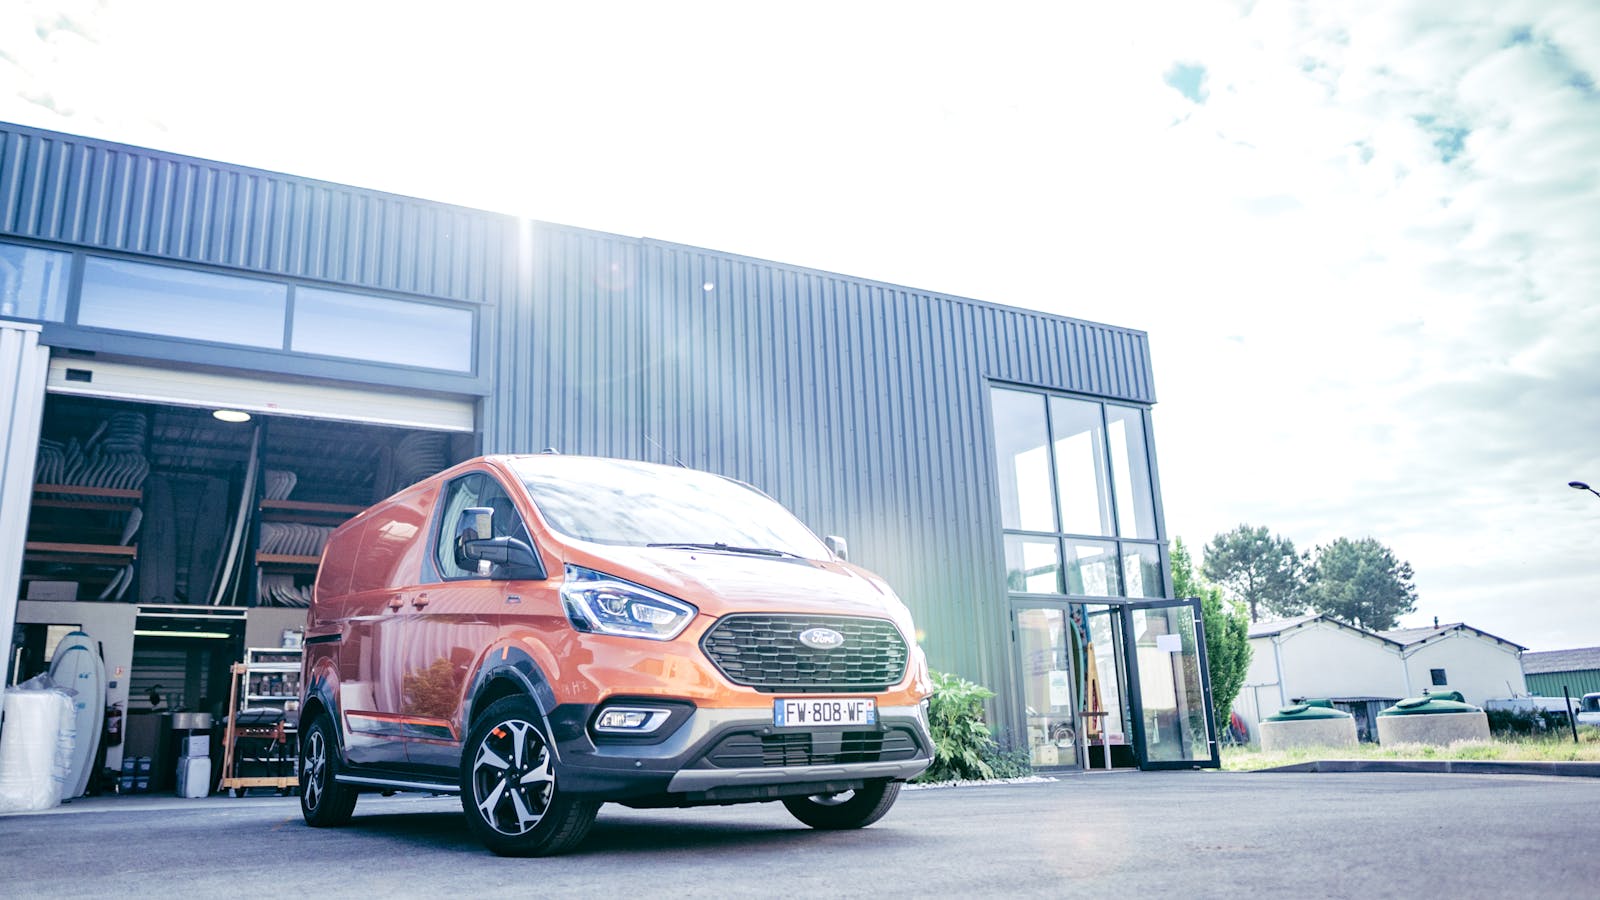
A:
{"x": 728, "y": 548}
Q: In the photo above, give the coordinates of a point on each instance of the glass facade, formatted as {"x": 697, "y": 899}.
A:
{"x": 1078, "y": 511}
{"x": 33, "y": 283}
{"x": 379, "y": 329}
{"x": 183, "y": 303}
{"x": 212, "y": 307}
{"x": 1076, "y": 496}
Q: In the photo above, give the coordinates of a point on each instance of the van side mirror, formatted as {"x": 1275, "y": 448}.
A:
{"x": 512, "y": 558}
{"x": 838, "y": 546}
{"x": 476, "y": 524}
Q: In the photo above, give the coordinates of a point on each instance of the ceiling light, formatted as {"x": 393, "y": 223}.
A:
{"x": 212, "y": 635}
{"x": 230, "y": 415}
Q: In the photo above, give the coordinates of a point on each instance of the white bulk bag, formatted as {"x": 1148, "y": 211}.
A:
{"x": 37, "y": 737}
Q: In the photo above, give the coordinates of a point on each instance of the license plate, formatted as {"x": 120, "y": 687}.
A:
{"x": 811, "y": 712}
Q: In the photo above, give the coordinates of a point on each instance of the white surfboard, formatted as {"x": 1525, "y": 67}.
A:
{"x": 76, "y": 664}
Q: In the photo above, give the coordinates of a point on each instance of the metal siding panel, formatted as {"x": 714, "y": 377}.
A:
{"x": 141, "y": 192}
{"x": 567, "y": 366}
{"x": 10, "y": 179}
{"x": 22, "y": 365}
{"x": 100, "y": 195}
{"x": 1549, "y": 684}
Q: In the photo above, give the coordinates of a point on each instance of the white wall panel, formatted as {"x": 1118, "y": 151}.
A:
{"x": 22, "y": 377}
{"x": 255, "y": 393}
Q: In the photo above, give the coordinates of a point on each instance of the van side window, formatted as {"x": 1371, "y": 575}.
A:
{"x": 477, "y": 489}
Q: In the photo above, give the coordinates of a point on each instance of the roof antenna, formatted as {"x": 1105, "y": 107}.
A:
{"x": 664, "y": 452}
{"x": 551, "y": 451}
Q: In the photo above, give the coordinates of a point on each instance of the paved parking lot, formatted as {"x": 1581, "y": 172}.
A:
{"x": 1207, "y": 834}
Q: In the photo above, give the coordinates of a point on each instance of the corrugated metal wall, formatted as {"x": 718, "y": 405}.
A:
{"x": 860, "y": 406}
{"x": 1579, "y": 683}
{"x": 57, "y": 187}
{"x": 23, "y": 364}
{"x": 569, "y": 371}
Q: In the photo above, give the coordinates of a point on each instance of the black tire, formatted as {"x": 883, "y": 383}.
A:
{"x": 851, "y": 809}
{"x": 324, "y": 802}
{"x": 509, "y": 790}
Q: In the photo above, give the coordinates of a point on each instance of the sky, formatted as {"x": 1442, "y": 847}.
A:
{"x": 1363, "y": 237}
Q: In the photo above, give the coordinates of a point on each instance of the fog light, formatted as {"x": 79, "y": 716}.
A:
{"x": 629, "y": 720}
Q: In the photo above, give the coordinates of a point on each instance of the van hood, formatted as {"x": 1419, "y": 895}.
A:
{"x": 719, "y": 583}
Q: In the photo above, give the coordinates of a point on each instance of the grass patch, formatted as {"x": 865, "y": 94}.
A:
{"x": 1536, "y": 748}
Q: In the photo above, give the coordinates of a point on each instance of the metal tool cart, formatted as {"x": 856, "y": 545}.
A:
{"x": 261, "y": 741}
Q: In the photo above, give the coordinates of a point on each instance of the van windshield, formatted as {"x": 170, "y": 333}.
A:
{"x": 609, "y": 501}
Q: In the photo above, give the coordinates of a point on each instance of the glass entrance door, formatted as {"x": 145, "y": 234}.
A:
{"x": 1106, "y": 712}
{"x": 1172, "y": 698}
{"x": 1049, "y": 687}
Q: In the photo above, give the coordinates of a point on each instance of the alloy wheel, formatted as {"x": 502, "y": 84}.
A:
{"x": 512, "y": 780}
{"x": 313, "y": 769}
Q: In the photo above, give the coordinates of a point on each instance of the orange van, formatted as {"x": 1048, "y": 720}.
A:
{"x": 544, "y": 634}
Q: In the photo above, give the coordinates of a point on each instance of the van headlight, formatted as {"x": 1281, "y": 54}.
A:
{"x": 599, "y": 602}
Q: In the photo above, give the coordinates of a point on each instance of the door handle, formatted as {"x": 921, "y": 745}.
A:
{"x": 420, "y": 602}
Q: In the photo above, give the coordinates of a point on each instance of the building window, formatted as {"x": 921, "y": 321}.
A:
{"x": 1021, "y": 439}
{"x": 172, "y": 301}
{"x": 183, "y": 303}
{"x": 1092, "y": 569}
{"x": 1033, "y": 565}
{"x": 1438, "y": 677}
{"x": 1077, "y": 501}
{"x": 33, "y": 283}
{"x": 380, "y": 329}
{"x": 1082, "y": 479}
{"x": 1130, "y": 471}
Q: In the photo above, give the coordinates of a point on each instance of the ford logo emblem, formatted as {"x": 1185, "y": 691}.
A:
{"x": 821, "y": 638}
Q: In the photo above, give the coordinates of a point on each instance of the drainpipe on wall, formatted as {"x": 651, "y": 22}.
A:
{"x": 1277, "y": 662}
{"x": 1405, "y": 669}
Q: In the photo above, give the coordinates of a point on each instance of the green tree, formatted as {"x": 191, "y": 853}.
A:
{"x": 1261, "y": 570}
{"x": 1227, "y": 633}
{"x": 1361, "y": 582}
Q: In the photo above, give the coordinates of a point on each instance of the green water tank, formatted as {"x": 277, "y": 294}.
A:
{"x": 1306, "y": 710}
{"x": 1442, "y": 703}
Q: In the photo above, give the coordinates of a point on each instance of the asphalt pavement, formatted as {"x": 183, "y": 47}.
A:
{"x": 1189, "y": 834}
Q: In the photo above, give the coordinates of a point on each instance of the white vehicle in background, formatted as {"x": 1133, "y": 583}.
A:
{"x": 1589, "y": 709}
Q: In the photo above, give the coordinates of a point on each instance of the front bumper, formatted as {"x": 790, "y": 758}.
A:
{"x": 737, "y": 755}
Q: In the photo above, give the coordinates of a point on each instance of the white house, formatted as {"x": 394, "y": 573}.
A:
{"x": 1364, "y": 671}
{"x": 1458, "y": 657}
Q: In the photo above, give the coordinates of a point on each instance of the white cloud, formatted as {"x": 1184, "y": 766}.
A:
{"x": 1356, "y": 330}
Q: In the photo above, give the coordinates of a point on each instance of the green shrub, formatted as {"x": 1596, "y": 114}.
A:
{"x": 962, "y": 742}
{"x": 1009, "y": 759}
{"x": 1529, "y": 721}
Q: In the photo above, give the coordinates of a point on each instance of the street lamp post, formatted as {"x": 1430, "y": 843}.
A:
{"x": 1583, "y": 487}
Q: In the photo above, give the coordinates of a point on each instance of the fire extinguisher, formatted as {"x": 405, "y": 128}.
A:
{"x": 114, "y": 725}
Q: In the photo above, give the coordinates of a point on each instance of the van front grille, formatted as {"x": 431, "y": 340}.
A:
{"x": 764, "y": 652}
{"x": 751, "y": 751}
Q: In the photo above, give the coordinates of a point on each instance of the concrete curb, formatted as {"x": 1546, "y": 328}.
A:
{"x": 1448, "y": 766}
